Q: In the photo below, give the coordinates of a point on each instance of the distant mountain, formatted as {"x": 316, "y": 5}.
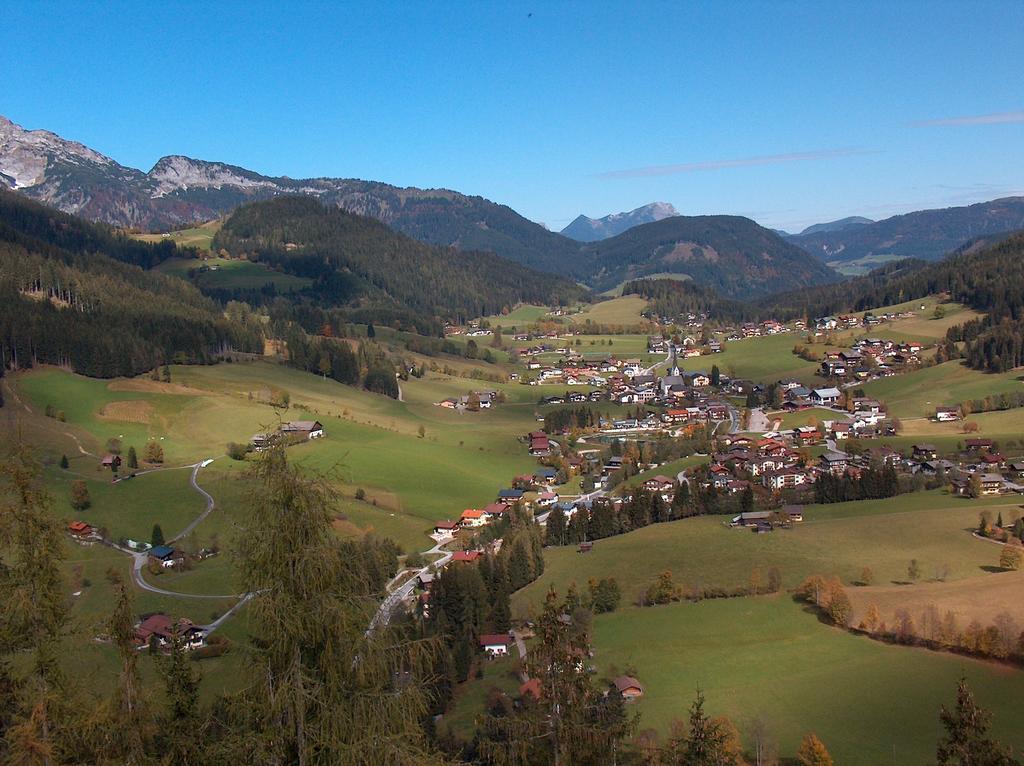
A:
{"x": 926, "y": 234}
{"x": 179, "y": 191}
{"x": 734, "y": 255}
{"x": 585, "y": 229}
{"x": 841, "y": 225}
{"x": 731, "y": 254}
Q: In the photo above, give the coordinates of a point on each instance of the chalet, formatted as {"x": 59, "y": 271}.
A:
{"x": 885, "y": 456}
{"x": 825, "y": 396}
{"x": 472, "y": 518}
{"x": 260, "y": 442}
{"x": 510, "y": 495}
{"x": 469, "y": 557}
{"x": 797, "y": 392}
{"x": 932, "y": 467}
{"x": 495, "y": 644}
{"x": 805, "y": 434}
{"x": 659, "y": 484}
{"x": 496, "y": 510}
{"x": 1018, "y": 469}
{"x": 841, "y": 430}
{"x": 81, "y": 531}
{"x": 793, "y": 512}
{"x": 697, "y": 379}
{"x": 833, "y": 368}
{"x": 947, "y": 414}
{"x": 628, "y": 687}
{"x": 924, "y": 451}
{"x": 717, "y": 412}
{"x": 861, "y": 404}
{"x": 750, "y": 519}
{"x": 992, "y": 484}
{"x": 163, "y": 630}
{"x": 113, "y": 462}
{"x": 977, "y": 445}
{"x": 540, "y": 445}
{"x": 307, "y": 429}
{"x": 545, "y": 499}
{"x": 447, "y": 527}
{"x": 784, "y": 478}
{"x": 166, "y": 556}
{"x": 765, "y": 463}
{"x": 826, "y": 323}
{"x": 835, "y": 462}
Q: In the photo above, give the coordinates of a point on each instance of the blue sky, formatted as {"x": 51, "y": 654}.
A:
{"x": 789, "y": 113}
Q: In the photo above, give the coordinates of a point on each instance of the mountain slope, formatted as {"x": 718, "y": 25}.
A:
{"x": 842, "y": 224}
{"x": 356, "y": 261}
{"x": 926, "y": 234}
{"x": 731, "y": 254}
{"x": 64, "y": 301}
{"x": 179, "y": 190}
{"x": 585, "y": 229}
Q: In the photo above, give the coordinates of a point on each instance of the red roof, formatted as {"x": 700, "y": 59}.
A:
{"x": 465, "y": 555}
{"x": 79, "y": 528}
{"x": 494, "y": 639}
{"x": 496, "y": 509}
{"x": 446, "y": 525}
{"x": 531, "y": 687}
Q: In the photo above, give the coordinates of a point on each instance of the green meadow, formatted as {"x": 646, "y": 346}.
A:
{"x": 766, "y": 658}
{"x": 839, "y": 539}
{"x": 225, "y": 273}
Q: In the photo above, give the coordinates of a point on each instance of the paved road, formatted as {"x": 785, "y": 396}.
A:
{"x": 398, "y": 596}
{"x": 210, "y": 504}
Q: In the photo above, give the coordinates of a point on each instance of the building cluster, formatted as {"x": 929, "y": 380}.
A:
{"x": 293, "y": 431}
{"x": 870, "y": 359}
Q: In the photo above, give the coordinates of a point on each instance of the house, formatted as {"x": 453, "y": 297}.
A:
{"x": 113, "y": 462}
{"x": 628, "y": 687}
{"x": 495, "y": 644}
{"x": 924, "y": 451}
{"x": 496, "y": 510}
{"x": 825, "y": 396}
{"x": 697, "y": 379}
{"x": 447, "y": 527}
{"x": 510, "y": 495}
{"x": 82, "y": 531}
{"x": 841, "y": 429}
{"x": 545, "y": 499}
{"x": 472, "y": 518}
{"x": 785, "y": 478}
{"x": 465, "y": 556}
{"x": 164, "y": 630}
{"x": 540, "y": 445}
{"x": 585, "y": 547}
{"x": 991, "y": 483}
{"x": 307, "y": 429}
{"x": 166, "y": 556}
{"x": 750, "y": 519}
{"x": 835, "y": 462}
{"x": 659, "y": 483}
{"x": 793, "y": 512}
{"x": 978, "y": 445}
{"x": 260, "y": 442}
{"x": 947, "y": 414}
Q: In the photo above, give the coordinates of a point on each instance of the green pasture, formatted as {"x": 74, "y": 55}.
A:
{"x": 839, "y": 539}
{"x": 766, "y": 658}
{"x": 918, "y": 393}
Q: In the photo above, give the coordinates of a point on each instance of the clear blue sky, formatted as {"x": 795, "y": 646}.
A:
{"x": 790, "y": 113}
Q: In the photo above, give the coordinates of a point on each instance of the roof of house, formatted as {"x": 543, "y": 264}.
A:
{"x": 622, "y": 683}
{"x": 446, "y": 524}
{"x": 161, "y": 551}
{"x": 472, "y": 513}
{"x": 494, "y": 639}
{"x": 79, "y": 526}
{"x": 824, "y": 393}
{"x": 302, "y": 425}
{"x": 465, "y": 555}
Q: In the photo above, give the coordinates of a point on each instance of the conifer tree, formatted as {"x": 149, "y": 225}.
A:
{"x": 966, "y": 742}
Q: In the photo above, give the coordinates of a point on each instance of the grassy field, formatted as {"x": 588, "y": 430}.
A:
{"x": 766, "y": 658}
{"x": 227, "y": 274}
{"x": 617, "y": 311}
{"x": 918, "y": 393}
{"x": 520, "y": 316}
{"x": 804, "y": 417}
{"x": 767, "y": 359}
{"x": 839, "y": 539}
{"x": 198, "y": 236}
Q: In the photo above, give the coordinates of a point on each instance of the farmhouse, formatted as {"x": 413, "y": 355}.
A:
{"x": 81, "y": 531}
{"x": 307, "y": 429}
{"x": 495, "y": 644}
{"x": 628, "y": 687}
{"x": 166, "y": 556}
{"x": 163, "y": 630}
{"x": 447, "y": 527}
{"x": 947, "y": 414}
{"x": 496, "y": 510}
{"x": 465, "y": 556}
{"x": 924, "y": 451}
{"x": 539, "y": 444}
{"x": 992, "y": 484}
{"x": 835, "y": 462}
{"x": 113, "y": 462}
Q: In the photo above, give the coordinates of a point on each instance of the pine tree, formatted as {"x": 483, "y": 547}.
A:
{"x": 133, "y": 458}
{"x": 156, "y": 537}
{"x": 706, "y": 742}
{"x": 966, "y": 742}
{"x": 64, "y": 462}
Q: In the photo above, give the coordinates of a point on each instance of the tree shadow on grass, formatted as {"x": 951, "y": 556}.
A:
{"x": 992, "y": 569}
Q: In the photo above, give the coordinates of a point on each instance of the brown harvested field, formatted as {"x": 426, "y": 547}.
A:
{"x": 156, "y": 387}
{"x": 980, "y": 598}
{"x": 132, "y": 411}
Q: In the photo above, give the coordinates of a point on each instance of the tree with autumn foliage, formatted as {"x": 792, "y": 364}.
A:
{"x": 813, "y": 752}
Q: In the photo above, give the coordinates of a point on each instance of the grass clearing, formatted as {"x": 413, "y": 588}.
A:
{"x": 765, "y": 657}
{"x": 198, "y": 236}
{"x": 918, "y": 393}
{"x": 625, "y": 310}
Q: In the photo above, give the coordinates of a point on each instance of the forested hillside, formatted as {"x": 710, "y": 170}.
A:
{"x": 673, "y": 297}
{"x": 359, "y": 262}
{"x": 64, "y": 301}
{"x": 925, "y": 234}
{"x": 731, "y": 254}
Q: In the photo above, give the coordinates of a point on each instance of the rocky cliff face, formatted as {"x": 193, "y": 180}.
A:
{"x": 585, "y": 229}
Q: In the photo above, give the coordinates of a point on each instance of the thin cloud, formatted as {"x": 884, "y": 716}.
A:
{"x": 998, "y": 118}
{"x": 746, "y": 162}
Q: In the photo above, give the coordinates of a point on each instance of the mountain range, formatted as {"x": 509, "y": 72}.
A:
{"x": 585, "y": 229}
{"x": 925, "y": 234}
